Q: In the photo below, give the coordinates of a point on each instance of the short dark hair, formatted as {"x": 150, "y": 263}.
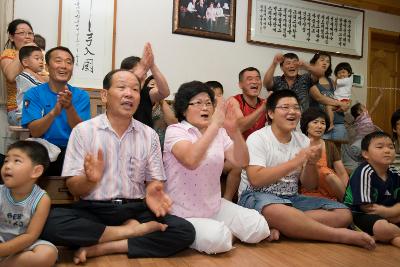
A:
{"x": 186, "y": 92}
{"x": 40, "y": 41}
{"x": 37, "y": 153}
{"x": 311, "y": 114}
{"x": 129, "y": 62}
{"x": 366, "y": 141}
{"x": 289, "y": 56}
{"x": 107, "y": 81}
{"x": 343, "y": 66}
{"x": 276, "y": 96}
{"x": 12, "y": 28}
{"x": 241, "y": 73}
{"x": 317, "y": 55}
{"x": 355, "y": 110}
{"x": 26, "y": 51}
{"x": 393, "y": 121}
{"x": 215, "y": 84}
{"x": 62, "y": 48}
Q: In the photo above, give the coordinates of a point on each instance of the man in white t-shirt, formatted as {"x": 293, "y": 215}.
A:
{"x": 280, "y": 158}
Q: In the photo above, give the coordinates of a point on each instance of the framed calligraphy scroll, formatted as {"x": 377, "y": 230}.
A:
{"x": 306, "y": 25}
{"x": 87, "y": 28}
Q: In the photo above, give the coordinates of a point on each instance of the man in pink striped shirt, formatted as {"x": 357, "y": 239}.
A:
{"x": 115, "y": 168}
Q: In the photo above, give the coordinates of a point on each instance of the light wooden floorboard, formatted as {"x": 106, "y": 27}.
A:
{"x": 283, "y": 253}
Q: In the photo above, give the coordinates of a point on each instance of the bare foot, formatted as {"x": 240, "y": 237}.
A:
{"x": 395, "y": 241}
{"x": 357, "y": 238}
{"x": 80, "y": 255}
{"x": 274, "y": 235}
{"x": 140, "y": 229}
{"x": 107, "y": 248}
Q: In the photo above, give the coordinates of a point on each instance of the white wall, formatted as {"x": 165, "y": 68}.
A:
{"x": 184, "y": 58}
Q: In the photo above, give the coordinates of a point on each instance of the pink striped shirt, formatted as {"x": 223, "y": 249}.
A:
{"x": 130, "y": 161}
{"x": 195, "y": 193}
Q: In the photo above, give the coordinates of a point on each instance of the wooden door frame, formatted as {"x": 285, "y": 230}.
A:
{"x": 391, "y": 35}
{"x": 372, "y": 31}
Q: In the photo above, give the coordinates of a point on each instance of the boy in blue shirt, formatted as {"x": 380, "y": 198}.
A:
{"x": 373, "y": 192}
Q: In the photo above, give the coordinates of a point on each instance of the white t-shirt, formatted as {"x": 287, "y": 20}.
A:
{"x": 343, "y": 88}
{"x": 266, "y": 151}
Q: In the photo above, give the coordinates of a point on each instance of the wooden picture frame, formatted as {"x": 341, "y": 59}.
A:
{"x": 306, "y": 25}
{"x": 87, "y": 28}
{"x": 199, "y": 20}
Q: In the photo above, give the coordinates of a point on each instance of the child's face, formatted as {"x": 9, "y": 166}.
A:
{"x": 34, "y": 61}
{"x": 342, "y": 74}
{"x": 380, "y": 151}
{"x": 18, "y": 169}
{"x": 218, "y": 92}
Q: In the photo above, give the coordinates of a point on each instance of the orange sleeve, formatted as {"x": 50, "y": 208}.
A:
{"x": 8, "y": 53}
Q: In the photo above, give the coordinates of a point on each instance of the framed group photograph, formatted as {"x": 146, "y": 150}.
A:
{"x": 213, "y": 19}
{"x": 306, "y": 25}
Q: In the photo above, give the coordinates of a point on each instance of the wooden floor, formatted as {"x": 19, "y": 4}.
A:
{"x": 282, "y": 253}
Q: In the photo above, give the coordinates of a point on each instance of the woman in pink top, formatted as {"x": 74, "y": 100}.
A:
{"x": 194, "y": 153}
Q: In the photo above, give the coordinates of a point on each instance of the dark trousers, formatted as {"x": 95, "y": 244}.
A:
{"x": 84, "y": 222}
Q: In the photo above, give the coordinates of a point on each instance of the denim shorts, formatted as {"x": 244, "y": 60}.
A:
{"x": 338, "y": 132}
{"x": 258, "y": 200}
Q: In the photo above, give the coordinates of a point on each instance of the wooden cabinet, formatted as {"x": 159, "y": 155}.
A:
{"x": 96, "y": 105}
{"x": 56, "y": 189}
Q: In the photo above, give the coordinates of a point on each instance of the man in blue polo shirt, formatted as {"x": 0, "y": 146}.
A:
{"x": 52, "y": 109}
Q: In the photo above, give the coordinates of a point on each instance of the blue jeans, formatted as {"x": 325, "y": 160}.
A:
{"x": 338, "y": 132}
{"x": 258, "y": 200}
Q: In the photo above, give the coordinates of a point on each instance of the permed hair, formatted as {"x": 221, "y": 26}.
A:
{"x": 186, "y": 92}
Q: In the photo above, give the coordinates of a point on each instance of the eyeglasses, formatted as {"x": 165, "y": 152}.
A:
{"x": 200, "y": 104}
{"x": 288, "y": 108}
{"x": 30, "y": 34}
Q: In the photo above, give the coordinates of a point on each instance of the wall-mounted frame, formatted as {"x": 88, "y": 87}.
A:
{"x": 306, "y": 25}
{"x": 195, "y": 18}
{"x": 87, "y": 28}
